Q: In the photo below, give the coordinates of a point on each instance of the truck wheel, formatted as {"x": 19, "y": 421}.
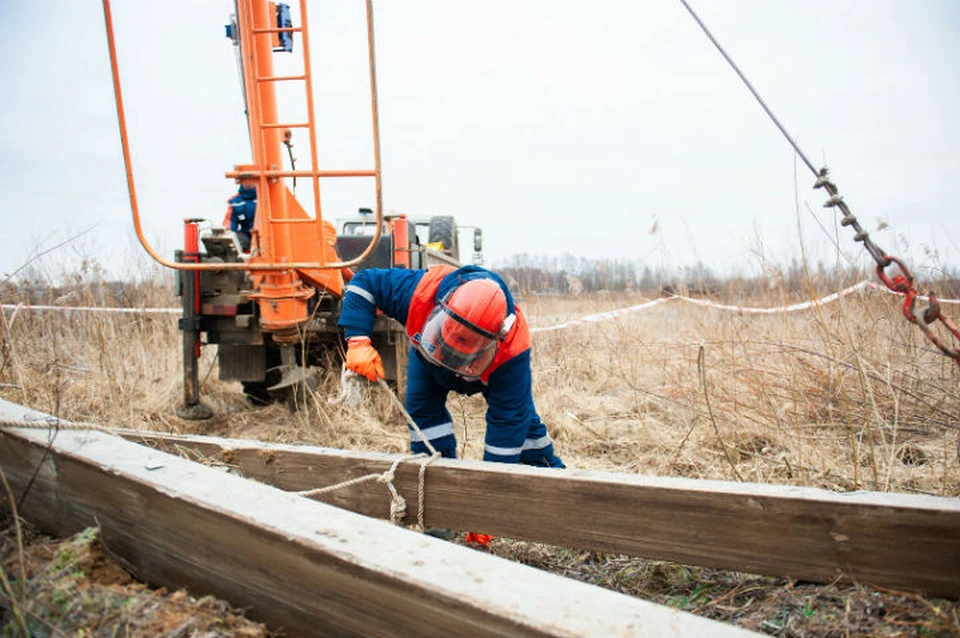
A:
{"x": 443, "y": 228}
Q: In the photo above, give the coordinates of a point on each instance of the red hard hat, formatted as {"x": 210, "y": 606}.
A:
{"x": 480, "y": 302}
{"x": 465, "y": 329}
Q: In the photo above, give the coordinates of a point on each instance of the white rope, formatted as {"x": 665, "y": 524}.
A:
{"x": 108, "y": 309}
{"x": 877, "y": 286}
{"x": 421, "y": 483}
{"x": 398, "y": 505}
{"x": 601, "y": 316}
{"x": 349, "y": 393}
{"x": 806, "y": 305}
{"x": 53, "y": 423}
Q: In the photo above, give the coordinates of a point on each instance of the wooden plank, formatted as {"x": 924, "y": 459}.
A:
{"x": 300, "y": 565}
{"x": 886, "y": 539}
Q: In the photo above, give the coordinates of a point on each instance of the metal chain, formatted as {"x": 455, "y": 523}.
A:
{"x": 902, "y": 281}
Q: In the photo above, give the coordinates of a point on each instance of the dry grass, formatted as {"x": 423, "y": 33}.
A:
{"x": 75, "y": 587}
{"x": 850, "y": 397}
{"x": 846, "y": 397}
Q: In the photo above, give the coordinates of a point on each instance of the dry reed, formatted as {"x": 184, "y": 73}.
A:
{"x": 847, "y": 396}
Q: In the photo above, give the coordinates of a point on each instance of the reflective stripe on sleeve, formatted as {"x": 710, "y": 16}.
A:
{"x": 433, "y": 432}
{"x": 363, "y": 293}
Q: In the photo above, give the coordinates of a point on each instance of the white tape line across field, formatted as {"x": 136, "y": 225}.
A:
{"x": 603, "y": 316}
{"x": 780, "y": 309}
{"x": 600, "y": 316}
{"x": 612, "y": 314}
{"x": 135, "y": 311}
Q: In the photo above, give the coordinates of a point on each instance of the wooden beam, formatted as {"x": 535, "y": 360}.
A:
{"x": 302, "y": 566}
{"x": 886, "y": 539}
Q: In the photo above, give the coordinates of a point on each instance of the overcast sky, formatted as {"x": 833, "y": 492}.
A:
{"x": 604, "y": 129}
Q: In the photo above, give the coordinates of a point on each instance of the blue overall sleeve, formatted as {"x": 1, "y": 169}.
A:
{"x": 386, "y": 289}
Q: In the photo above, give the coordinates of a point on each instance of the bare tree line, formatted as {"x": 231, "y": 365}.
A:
{"x": 571, "y": 275}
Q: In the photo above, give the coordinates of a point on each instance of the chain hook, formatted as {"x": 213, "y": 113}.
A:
{"x": 932, "y": 311}
{"x": 902, "y": 282}
{"x": 926, "y": 317}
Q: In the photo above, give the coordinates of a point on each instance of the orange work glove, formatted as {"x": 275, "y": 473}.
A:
{"x": 483, "y": 540}
{"x": 364, "y": 359}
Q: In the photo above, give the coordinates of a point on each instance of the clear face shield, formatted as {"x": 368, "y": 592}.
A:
{"x": 454, "y": 343}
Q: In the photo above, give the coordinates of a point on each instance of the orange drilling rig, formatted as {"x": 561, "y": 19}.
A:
{"x": 266, "y": 287}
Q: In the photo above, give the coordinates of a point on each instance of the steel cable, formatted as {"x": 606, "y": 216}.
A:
{"x": 903, "y": 281}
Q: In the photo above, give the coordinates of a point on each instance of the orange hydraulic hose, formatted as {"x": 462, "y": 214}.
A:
{"x": 128, "y": 167}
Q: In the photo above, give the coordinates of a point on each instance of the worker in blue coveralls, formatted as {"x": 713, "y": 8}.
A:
{"x": 467, "y": 335}
{"x": 241, "y": 211}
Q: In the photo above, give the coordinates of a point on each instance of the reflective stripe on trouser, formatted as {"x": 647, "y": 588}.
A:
{"x": 427, "y": 404}
{"x": 435, "y": 434}
{"x": 537, "y": 449}
{"x": 530, "y": 444}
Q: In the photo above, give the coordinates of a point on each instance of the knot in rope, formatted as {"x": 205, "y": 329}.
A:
{"x": 398, "y": 506}
{"x": 398, "y": 509}
{"x": 388, "y": 476}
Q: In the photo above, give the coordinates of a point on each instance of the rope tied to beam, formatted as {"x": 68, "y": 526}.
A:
{"x": 434, "y": 454}
{"x": 398, "y": 505}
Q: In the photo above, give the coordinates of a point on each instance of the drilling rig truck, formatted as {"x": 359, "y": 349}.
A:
{"x": 267, "y": 290}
